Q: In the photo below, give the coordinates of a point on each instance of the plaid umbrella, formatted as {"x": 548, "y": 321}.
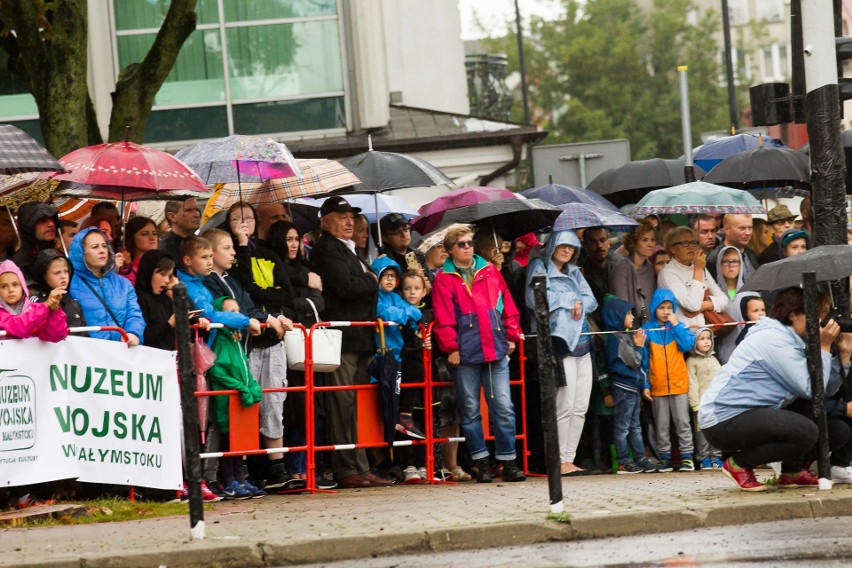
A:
{"x": 697, "y": 197}
{"x": 239, "y": 158}
{"x": 319, "y": 177}
{"x": 583, "y": 215}
{"x": 20, "y": 153}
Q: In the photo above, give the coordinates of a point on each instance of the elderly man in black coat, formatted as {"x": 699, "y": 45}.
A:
{"x": 350, "y": 291}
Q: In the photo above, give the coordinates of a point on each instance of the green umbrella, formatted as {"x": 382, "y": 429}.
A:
{"x": 697, "y": 197}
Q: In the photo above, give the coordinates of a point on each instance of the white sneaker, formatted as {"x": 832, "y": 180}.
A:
{"x": 841, "y": 474}
{"x": 411, "y": 475}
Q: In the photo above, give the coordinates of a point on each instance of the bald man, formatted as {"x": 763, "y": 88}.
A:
{"x": 738, "y": 229}
{"x": 267, "y": 215}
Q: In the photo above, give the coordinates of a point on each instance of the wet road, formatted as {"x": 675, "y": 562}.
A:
{"x": 825, "y": 542}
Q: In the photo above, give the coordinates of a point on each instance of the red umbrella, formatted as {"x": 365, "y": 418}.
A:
{"x": 432, "y": 213}
{"x": 127, "y": 171}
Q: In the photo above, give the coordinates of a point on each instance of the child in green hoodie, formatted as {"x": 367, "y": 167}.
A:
{"x": 231, "y": 372}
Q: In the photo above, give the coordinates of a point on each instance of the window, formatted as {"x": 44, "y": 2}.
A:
{"x": 254, "y": 68}
{"x": 770, "y": 10}
{"x": 738, "y": 12}
{"x": 775, "y": 63}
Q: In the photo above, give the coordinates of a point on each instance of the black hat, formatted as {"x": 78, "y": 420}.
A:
{"x": 337, "y": 204}
{"x": 393, "y": 221}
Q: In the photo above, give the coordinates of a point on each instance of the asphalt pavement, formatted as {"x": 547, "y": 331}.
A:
{"x": 365, "y": 523}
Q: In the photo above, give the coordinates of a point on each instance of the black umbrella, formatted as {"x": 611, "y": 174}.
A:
{"x": 830, "y": 262}
{"x": 20, "y": 153}
{"x": 762, "y": 167}
{"x": 388, "y": 372}
{"x": 631, "y": 180}
{"x": 509, "y": 218}
{"x": 384, "y": 171}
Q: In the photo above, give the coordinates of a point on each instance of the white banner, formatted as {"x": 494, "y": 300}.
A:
{"x": 90, "y": 409}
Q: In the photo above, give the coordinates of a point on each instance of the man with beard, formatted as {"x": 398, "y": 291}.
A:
{"x": 37, "y": 223}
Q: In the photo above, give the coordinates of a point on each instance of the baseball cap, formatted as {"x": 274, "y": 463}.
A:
{"x": 393, "y": 221}
{"x": 336, "y": 204}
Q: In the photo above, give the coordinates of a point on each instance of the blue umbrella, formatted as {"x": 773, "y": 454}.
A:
{"x": 559, "y": 194}
{"x": 583, "y": 215}
{"x": 716, "y": 150}
{"x": 377, "y": 205}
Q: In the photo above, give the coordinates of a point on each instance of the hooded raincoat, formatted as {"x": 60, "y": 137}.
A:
{"x": 392, "y": 307}
{"x": 564, "y": 289}
{"x": 736, "y": 309}
{"x": 27, "y": 318}
{"x": 623, "y": 358}
{"x": 720, "y": 278}
{"x": 702, "y": 368}
{"x": 477, "y": 321}
{"x": 71, "y": 307}
{"x": 663, "y": 357}
{"x": 768, "y": 370}
{"x": 28, "y": 215}
{"x": 96, "y": 293}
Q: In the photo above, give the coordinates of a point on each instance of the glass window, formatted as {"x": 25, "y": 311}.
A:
{"x": 136, "y": 15}
{"x": 770, "y": 10}
{"x": 186, "y": 124}
{"x": 738, "y": 11}
{"x": 197, "y": 76}
{"x": 284, "y": 60}
{"x": 15, "y": 99}
{"x": 290, "y": 116}
{"x": 242, "y": 11}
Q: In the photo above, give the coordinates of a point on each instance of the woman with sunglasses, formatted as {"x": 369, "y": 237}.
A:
{"x": 688, "y": 278}
{"x": 476, "y": 323}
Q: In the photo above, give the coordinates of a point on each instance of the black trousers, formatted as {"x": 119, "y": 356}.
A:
{"x": 763, "y": 435}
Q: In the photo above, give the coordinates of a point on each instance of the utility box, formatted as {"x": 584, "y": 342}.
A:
{"x": 577, "y": 164}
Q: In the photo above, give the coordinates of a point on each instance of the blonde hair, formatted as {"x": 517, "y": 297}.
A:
{"x": 215, "y": 236}
{"x": 676, "y": 235}
{"x": 454, "y": 233}
{"x": 630, "y": 239}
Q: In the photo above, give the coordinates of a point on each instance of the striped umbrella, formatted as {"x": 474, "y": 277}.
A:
{"x": 20, "y": 153}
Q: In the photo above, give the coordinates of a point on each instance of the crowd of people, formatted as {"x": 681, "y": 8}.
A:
{"x": 632, "y": 327}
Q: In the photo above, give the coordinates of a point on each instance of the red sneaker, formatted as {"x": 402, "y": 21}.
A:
{"x": 802, "y": 479}
{"x": 744, "y": 477}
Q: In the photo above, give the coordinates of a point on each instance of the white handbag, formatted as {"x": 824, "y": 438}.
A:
{"x": 326, "y": 347}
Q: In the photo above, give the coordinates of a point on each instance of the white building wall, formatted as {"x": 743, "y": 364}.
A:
{"x": 425, "y": 54}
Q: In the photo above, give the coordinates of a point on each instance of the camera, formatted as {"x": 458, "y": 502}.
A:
{"x": 843, "y": 320}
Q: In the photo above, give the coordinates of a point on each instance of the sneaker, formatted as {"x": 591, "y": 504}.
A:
{"x": 686, "y": 465}
{"x": 208, "y": 495}
{"x": 841, "y": 474}
{"x": 717, "y": 463}
{"x": 629, "y": 468}
{"x": 254, "y": 491}
{"x": 706, "y": 463}
{"x": 665, "y": 465}
{"x": 411, "y": 475}
{"x": 234, "y": 491}
{"x": 744, "y": 477}
{"x": 482, "y": 470}
{"x": 279, "y": 478}
{"x": 802, "y": 479}
{"x": 422, "y": 472}
{"x": 326, "y": 483}
{"x": 647, "y": 466}
{"x": 216, "y": 488}
{"x": 511, "y": 472}
{"x": 406, "y": 425}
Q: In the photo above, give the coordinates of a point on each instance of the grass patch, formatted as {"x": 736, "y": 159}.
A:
{"x": 112, "y": 510}
{"x": 563, "y": 517}
{"x": 771, "y": 481}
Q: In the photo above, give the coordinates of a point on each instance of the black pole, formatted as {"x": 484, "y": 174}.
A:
{"x": 729, "y": 68}
{"x": 814, "y": 353}
{"x": 547, "y": 382}
{"x": 191, "y": 441}
{"x": 797, "y": 86}
{"x": 522, "y": 67}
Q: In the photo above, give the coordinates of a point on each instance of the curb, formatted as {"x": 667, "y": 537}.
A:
{"x": 261, "y": 554}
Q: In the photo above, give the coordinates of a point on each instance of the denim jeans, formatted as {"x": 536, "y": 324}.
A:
{"x": 626, "y": 426}
{"x": 494, "y": 379}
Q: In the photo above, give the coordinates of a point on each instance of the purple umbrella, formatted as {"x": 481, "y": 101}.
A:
{"x": 432, "y": 213}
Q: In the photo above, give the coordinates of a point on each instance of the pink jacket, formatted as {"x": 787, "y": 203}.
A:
{"x": 477, "y": 322}
{"x": 35, "y": 320}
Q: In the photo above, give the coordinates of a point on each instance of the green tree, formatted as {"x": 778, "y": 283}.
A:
{"x": 47, "y": 42}
{"x": 607, "y": 70}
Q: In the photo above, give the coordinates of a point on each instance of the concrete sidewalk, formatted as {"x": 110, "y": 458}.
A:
{"x": 361, "y": 523}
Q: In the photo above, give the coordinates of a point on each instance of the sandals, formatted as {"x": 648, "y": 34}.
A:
{"x": 460, "y": 475}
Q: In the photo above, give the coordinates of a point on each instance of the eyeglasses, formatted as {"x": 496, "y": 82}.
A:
{"x": 464, "y": 244}
{"x": 730, "y": 263}
{"x": 686, "y": 244}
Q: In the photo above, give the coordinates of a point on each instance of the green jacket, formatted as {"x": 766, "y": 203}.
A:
{"x": 230, "y": 372}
